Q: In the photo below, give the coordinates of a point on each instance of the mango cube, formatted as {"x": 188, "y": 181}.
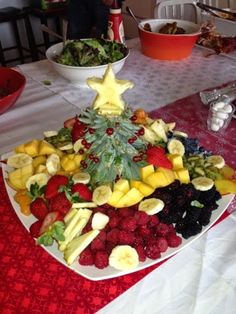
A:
{"x": 176, "y": 160}
{"x": 145, "y": 189}
{"x": 68, "y": 163}
{"x": 156, "y": 180}
{"x": 121, "y": 185}
{"x": 133, "y": 197}
{"x": 134, "y": 183}
{"x": 115, "y": 197}
{"x": 169, "y": 174}
{"x": 39, "y": 160}
{"x": 20, "y": 148}
{"x": 182, "y": 175}
{"x": 146, "y": 171}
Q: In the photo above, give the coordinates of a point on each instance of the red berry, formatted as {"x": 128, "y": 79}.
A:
{"x": 152, "y": 251}
{"x": 133, "y": 118}
{"x": 91, "y": 131}
{"x": 128, "y": 223}
{"x": 126, "y": 212}
{"x": 83, "y": 191}
{"x": 144, "y": 231}
{"x": 78, "y": 131}
{"x": 141, "y": 253}
{"x": 101, "y": 259}
{"x": 81, "y": 151}
{"x": 153, "y": 221}
{"x": 162, "y": 229}
{"x": 141, "y": 218}
{"x": 130, "y": 140}
{"x": 83, "y": 142}
{"x": 141, "y": 131}
{"x": 86, "y": 258}
{"x": 95, "y": 160}
{"x": 173, "y": 240}
{"x": 97, "y": 244}
{"x": 162, "y": 244}
{"x": 109, "y": 131}
{"x": 137, "y": 158}
{"x": 112, "y": 236}
{"x": 91, "y": 156}
{"x": 39, "y": 208}
{"x": 114, "y": 221}
{"x": 126, "y": 237}
{"x": 35, "y": 229}
{"x": 53, "y": 185}
{"x": 87, "y": 145}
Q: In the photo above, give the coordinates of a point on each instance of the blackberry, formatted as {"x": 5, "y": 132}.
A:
{"x": 217, "y": 196}
{"x": 162, "y": 194}
{"x": 180, "y": 226}
{"x": 212, "y": 206}
{"x": 205, "y": 216}
{"x": 192, "y": 215}
{"x": 191, "y": 230}
{"x": 173, "y": 186}
{"x": 206, "y": 197}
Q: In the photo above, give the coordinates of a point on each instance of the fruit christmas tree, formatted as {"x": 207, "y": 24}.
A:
{"x": 115, "y": 187}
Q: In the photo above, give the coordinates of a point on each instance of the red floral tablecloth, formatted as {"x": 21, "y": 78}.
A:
{"x": 31, "y": 281}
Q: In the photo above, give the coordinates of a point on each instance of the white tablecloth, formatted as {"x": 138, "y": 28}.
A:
{"x": 200, "y": 279}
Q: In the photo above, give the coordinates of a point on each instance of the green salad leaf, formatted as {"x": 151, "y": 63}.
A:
{"x": 91, "y": 52}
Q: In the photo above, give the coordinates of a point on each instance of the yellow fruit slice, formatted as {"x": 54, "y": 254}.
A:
{"x": 121, "y": 185}
{"x": 124, "y": 257}
{"x": 175, "y": 147}
{"x": 217, "y": 161}
{"x": 202, "y": 183}
{"x": 19, "y": 160}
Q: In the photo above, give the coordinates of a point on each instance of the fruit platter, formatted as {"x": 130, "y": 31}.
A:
{"x": 115, "y": 191}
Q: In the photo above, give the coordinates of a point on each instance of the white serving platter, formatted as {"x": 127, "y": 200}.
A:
{"x": 91, "y": 272}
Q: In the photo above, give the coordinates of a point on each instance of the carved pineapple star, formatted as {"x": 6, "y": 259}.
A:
{"x": 109, "y": 90}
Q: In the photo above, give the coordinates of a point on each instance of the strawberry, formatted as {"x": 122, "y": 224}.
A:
{"x": 83, "y": 191}
{"x": 69, "y": 123}
{"x": 39, "y": 208}
{"x": 60, "y": 203}
{"x": 78, "y": 130}
{"x": 49, "y": 220}
{"x": 54, "y": 184}
{"x": 35, "y": 228}
{"x": 156, "y": 156}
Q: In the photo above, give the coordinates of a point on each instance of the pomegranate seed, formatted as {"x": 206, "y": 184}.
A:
{"x": 109, "y": 131}
{"x": 133, "y": 118}
{"x": 81, "y": 151}
{"x": 91, "y": 130}
{"x": 84, "y": 142}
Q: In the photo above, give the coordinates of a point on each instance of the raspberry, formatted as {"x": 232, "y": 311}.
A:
{"x": 101, "y": 259}
{"x": 128, "y": 223}
{"x": 152, "y": 250}
{"x": 111, "y": 212}
{"x": 162, "y": 244}
{"x": 144, "y": 231}
{"x": 99, "y": 210}
{"x": 138, "y": 240}
{"x": 162, "y": 229}
{"x": 97, "y": 244}
{"x": 153, "y": 221}
{"x": 126, "y": 212}
{"x": 87, "y": 228}
{"x": 141, "y": 218}
{"x": 109, "y": 247}
{"x": 141, "y": 253}
{"x": 171, "y": 228}
{"x": 86, "y": 257}
{"x": 107, "y": 206}
{"x": 126, "y": 237}
{"x": 114, "y": 221}
{"x": 102, "y": 235}
{"x": 112, "y": 236}
{"x": 173, "y": 240}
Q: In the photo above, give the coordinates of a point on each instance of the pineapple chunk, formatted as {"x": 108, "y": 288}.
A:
{"x": 20, "y": 148}
{"x": 182, "y": 175}
{"x": 145, "y": 189}
{"x": 169, "y": 174}
{"x": 39, "y": 160}
{"x": 32, "y": 148}
{"x": 135, "y": 183}
{"x": 176, "y": 160}
{"x": 115, "y": 197}
{"x": 46, "y": 148}
{"x": 156, "y": 180}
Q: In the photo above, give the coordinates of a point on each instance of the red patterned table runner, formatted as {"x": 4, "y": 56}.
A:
{"x": 31, "y": 281}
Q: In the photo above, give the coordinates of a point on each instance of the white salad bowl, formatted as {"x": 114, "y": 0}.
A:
{"x": 78, "y": 75}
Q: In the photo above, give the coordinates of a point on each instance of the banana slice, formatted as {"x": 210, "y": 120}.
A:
{"x": 77, "y": 145}
{"x": 217, "y": 161}
{"x": 66, "y": 147}
{"x": 53, "y": 164}
{"x": 124, "y": 257}
{"x": 40, "y": 178}
{"x": 175, "y": 147}
{"x": 180, "y": 133}
{"x": 50, "y": 133}
{"x": 81, "y": 177}
{"x": 151, "y": 206}
{"x": 102, "y": 194}
{"x": 19, "y": 160}
{"x": 202, "y": 183}
{"x": 99, "y": 221}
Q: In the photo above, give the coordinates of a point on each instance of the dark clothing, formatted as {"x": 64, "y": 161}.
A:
{"x": 83, "y": 15}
